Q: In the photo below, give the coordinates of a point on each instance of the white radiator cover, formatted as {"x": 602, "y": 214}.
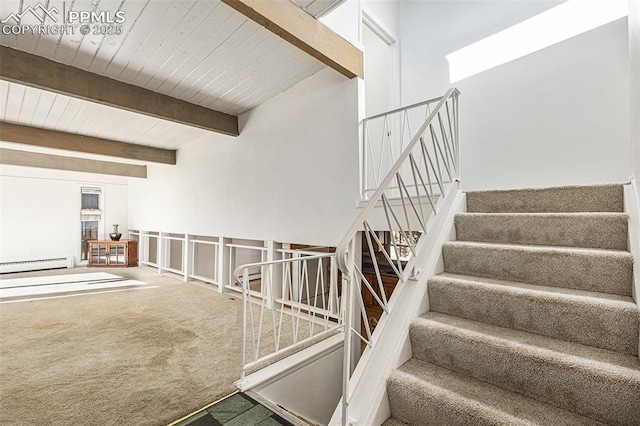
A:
{"x": 34, "y": 265}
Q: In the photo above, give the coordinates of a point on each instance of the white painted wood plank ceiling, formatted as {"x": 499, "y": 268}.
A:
{"x": 318, "y": 8}
{"x": 39, "y": 108}
{"x": 200, "y": 51}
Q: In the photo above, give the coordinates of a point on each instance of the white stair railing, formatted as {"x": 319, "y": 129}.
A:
{"x": 278, "y": 320}
{"x": 384, "y": 138}
{"x": 298, "y": 303}
{"x": 406, "y": 198}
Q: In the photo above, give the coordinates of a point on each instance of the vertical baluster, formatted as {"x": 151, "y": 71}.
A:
{"x": 403, "y": 186}
{"x": 375, "y": 264}
{"x": 365, "y": 169}
{"x": 375, "y": 172}
{"x": 453, "y": 143}
{"x": 403, "y": 202}
{"x": 368, "y": 229}
{"x": 333, "y": 287}
{"x": 393, "y": 241}
{"x": 272, "y": 305}
{"x": 243, "y": 356}
{"x": 399, "y": 225}
{"x": 415, "y": 173}
{"x": 436, "y": 175}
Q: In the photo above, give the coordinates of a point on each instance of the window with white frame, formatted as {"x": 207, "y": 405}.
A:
{"x": 90, "y": 217}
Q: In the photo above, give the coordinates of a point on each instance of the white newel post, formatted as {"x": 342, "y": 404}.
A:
{"x": 140, "y": 247}
{"x": 160, "y": 252}
{"x": 272, "y": 275}
{"x": 187, "y": 256}
{"x": 224, "y": 260}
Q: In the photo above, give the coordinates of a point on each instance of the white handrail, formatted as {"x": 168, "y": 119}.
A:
{"x": 430, "y": 160}
{"x": 404, "y": 108}
{"x": 422, "y": 173}
{"x": 384, "y": 137}
{"x": 239, "y": 269}
{"x": 169, "y": 237}
{"x": 211, "y": 243}
{"x": 247, "y": 247}
{"x": 290, "y": 298}
{"x": 375, "y": 198}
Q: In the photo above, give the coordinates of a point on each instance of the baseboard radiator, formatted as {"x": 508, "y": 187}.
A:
{"x": 34, "y": 265}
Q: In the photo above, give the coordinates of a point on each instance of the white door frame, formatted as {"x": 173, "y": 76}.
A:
{"x": 392, "y": 40}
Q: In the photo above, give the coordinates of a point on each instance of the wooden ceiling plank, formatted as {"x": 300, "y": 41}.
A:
{"x": 216, "y": 30}
{"x": 58, "y": 162}
{"x": 231, "y": 48}
{"x": 43, "y": 106}
{"x": 36, "y": 71}
{"x": 287, "y": 20}
{"x": 10, "y": 132}
{"x": 231, "y": 65}
{"x": 175, "y": 41}
{"x": 161, "y": 33}
{"x": 105, "y": 55}
{"x": 275, "y": 69}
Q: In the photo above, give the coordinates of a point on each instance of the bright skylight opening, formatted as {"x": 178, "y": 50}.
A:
{"x": 553, "y": 26}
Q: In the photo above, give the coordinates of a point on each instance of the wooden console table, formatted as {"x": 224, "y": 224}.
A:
{"x": 113, "y": 253}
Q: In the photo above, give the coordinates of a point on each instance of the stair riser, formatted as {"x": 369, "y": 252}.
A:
{"x": 588, "y": 231}
{"x": 577, "y": 270}
{"x": 595, "y": 324}
{"x": 437, "y": 408}
{"x": 603, "y": 198}
{"x": 608, "y": 398}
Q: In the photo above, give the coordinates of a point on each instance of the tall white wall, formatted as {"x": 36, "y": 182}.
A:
{"x": 290, "y": 176}
{"x": 385, "y": 12}
{"x": 555, "y": 117}
{"x": 634, "y": 72}
{"x": 345, "y": 19}
{"x": 40, "y": 214}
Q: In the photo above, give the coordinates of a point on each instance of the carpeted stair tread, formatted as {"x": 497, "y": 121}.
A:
{"x": 606, "y": 271}
{"x": 589, "y": 230}
{"x": 421, "y": 393}
{"x": 601, "y": 320}
{"x": 597, "y": 383}
{"x": 590, "y": 198}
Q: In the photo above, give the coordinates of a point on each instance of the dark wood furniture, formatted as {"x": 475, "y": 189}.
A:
{"x": 113, "y": 253}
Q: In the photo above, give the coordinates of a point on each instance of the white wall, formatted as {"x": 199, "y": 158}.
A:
{"x": 385, "y": 12}
{"x": 316, "y": 402}
{"x": 345, "y": 19}
{"x": 40, "y": 214}
{"x": 634, "y": 72}
{"x": 290, "y": 176}
{"x": 555, "y": 117}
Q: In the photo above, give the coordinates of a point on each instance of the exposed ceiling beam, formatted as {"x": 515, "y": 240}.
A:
{"x": 10, "y": 132}
{"x": 36, "y": 71}
{"x": 287, "y": 20}
{"x": 59, "y": 162}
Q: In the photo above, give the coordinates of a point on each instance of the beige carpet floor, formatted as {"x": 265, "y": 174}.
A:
{"x": 136, "y": 357}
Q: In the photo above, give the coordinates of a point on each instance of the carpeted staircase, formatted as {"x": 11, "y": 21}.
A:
{"x": 532, "y": 321}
